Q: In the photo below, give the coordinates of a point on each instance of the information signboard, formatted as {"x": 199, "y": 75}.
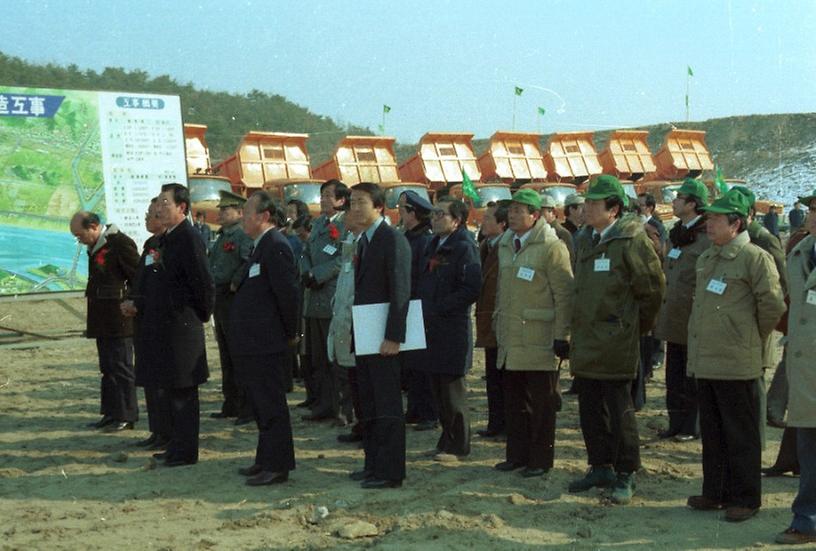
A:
{"x": 66, "y": 150}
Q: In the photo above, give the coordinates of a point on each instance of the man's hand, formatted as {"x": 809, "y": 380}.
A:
{"x": 561, "y": 349}
{"x": 128, "y": 309}
{"x": 389, "y": 348}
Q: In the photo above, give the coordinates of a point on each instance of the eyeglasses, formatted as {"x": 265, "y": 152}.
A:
{"x": 439, "y": 213}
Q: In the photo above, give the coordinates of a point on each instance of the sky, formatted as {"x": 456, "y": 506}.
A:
{"x": 450, "y": 65}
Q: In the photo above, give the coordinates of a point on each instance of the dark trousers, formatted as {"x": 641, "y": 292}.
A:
{"x": 804, "y": 506}
{"x": 638, "y": 389}
{"x": 681, "y": 392}
{"x": 787, "y": 457}
{"x": 422, "y": 406}
{"x": 450, "y": 396}
{"x": 354, "y": 388}
{"x": 608, "y": 423}
{"x": 777, "y": 402}
{"x": 326, "y": 393}
{"x": 235, "y": 402}
{"x": 306, "y": 370}
{"x": 345, "y": 400}
{"x": 495, "y": 391}
{"x": 118, "y": 386}
{"x": 184, "y": 419}
{"x": 382, "y": 417}
{"x": 531, "y": 403}
{"x": 732, "y": 453}
{"x": 265, "y": 379}
{"x": 159, "y": 414}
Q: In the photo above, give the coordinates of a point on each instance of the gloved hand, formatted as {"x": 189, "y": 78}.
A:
{"x": 561, "y": 349}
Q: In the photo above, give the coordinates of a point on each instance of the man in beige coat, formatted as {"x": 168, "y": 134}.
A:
{"x": 533, "y": 309}
{"x": 737, "y": 303}
{"x": 802, "y": 377}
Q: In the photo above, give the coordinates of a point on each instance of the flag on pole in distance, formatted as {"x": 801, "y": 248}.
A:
{"x": 541, "y": 111}
{"x": 519, "y": 91}
{"x": 690, "y": 72}
{"x": 469, "y": 190}
{"x": 719, "y": 181}
{"x": 386, "y": 109}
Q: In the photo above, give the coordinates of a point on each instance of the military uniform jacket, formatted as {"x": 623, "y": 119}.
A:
{"x": 112, "y": 265}
{"x": 729, "y": 324}
{"x": 680, "y": 269}
{"x": 172, "y": 304}
{"x": 322, "y": 258}
{"x": 619, "y": 287}
{"x": 802, "y": 336}
{"x": 228, "y": 254}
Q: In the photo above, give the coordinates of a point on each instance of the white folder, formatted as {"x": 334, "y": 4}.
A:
{"x": 369, "y": 327}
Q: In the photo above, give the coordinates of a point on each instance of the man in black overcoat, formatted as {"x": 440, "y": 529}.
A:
{"x": 262, "y": 328}
{"x": 112, "y": 260}
{"x": 383, "y": 275}
{"x": 172, "y": 311}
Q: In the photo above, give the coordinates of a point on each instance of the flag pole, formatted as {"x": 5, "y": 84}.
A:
{"x": 515, "y": 95}
{"x": 688, "y": 83}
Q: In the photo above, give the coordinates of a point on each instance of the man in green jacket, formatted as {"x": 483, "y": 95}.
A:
{"x": 737, "y": 303}
{"x": 619, "y": 286}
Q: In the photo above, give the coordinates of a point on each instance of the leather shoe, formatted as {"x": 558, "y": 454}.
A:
{"x": 104, "y": 422}
{"x": 179, "y": 462}
{"x": 425, "y": 425}
{"x": 739, "y": 514}
{"x": 507, "y": 466}
{"x": 250, "y": 471}
{"x": 161, "y": 456}
{"x": 703, "y": 503}
{"x": 530, "y": 473}
{"x": 264, "y": 478}
{"x": 350, "y": 437}
{"x": 680, "y": 437}
{"x": 776, "y": 423}
{"x": 489, "y": 433}
{"x": 361, "y": 475}
{"x": 147, "y": 442}
{"x": 243, "y": 421}
{"x": 792, "y": 536}
{"x": 118, "y": 426}
{"x": 161, "y": 443}
{"x": 379, "y": 484}
{"x": 775, "y": 470}
{"x": 666, "y": 434}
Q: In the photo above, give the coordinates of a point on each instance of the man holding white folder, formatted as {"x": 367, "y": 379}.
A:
{"x": 382, "y": 275}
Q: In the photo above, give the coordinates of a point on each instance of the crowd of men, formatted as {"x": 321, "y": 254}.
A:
{"x": 604, "y": 291}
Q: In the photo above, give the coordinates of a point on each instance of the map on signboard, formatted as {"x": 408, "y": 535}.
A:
{"x": 62, "y": 151}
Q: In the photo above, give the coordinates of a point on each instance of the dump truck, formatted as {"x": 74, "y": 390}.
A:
{"x": 558, "y": 191}
{"x": 203, "y": 185}
{"x": 441, "y": 158}
{"x": 683, "y": 154}
{"x": 571, "y": 157}
{"x": 627, "y": 155}
{"x": 361, "y": 159}
{"x": 490, "y": 191}
{"x": 513, "y": 157}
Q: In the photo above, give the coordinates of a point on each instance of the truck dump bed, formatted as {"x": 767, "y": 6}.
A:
{"x": 265, "y": 156}
{"x": 683, "y": 153}
{"x": 513, "y": 156}
{"x": 571, "y": 157}
{"x": 196, "y": 150}
{"x": 361, "y": 159}
{"x": 441, "y": 159}
{"x": 627, "y": 155}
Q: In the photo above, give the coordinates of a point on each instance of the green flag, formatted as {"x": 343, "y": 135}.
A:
{"x": 541, "y": 111}
{"x": 386, "y": 109}
{"x": 719, "y": 181}
{"x": 690, "y": 72}
{"x": 519, "y": 91}
{"x": 469, "y": 190}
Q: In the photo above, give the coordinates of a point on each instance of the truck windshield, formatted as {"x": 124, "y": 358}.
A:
{"x": 206, "y": 189}
{"x": 309, "y": 193}
{"x": 669, "y": 193}
{"x": 392, "y": 194}
{"x": 559, "y": 193}
{"x": 492, "y": 193}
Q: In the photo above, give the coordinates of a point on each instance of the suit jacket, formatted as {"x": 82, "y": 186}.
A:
{"x": 172, "y": 305}
{"x": 264, "y": 311}
{"x": 111, "y": 268}
{"x": 321, "y": 258}
{"x": 384, "y": 275}
{"x": 486, "y": 303}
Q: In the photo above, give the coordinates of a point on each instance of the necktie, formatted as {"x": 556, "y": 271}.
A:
{"x": 596, "y": 238}
{"x": 517, "y": 244}
{"x": 362, "y": 246}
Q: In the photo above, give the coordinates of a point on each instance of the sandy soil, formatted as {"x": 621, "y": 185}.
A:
{"x": 63, "y": 486}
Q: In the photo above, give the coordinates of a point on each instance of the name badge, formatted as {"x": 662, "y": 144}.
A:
{"x": 254, "y": 270}
{"x": 674, "y": 253}
{"x": 525, "y": 273}
{"x": 329, "y": 249}
{"x": 811, "y": 297}
{"x": 149, "y": 260}
{"x": 601, "y": 264}
{"x": 716, "y": 286}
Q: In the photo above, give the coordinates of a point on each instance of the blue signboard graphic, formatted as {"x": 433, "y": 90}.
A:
{"x": 27, "y": 105}
{"x": 139, "y": 103}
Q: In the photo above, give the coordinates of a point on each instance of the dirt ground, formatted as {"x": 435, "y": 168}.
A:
{"x": 63, "y": 486}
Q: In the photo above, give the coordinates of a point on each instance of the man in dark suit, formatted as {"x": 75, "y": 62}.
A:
{"x": 172, "y": 310}
{"x": 263, "y": 324}
{"x": 383, "y": 275}
{"x": 112, "y": 260}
